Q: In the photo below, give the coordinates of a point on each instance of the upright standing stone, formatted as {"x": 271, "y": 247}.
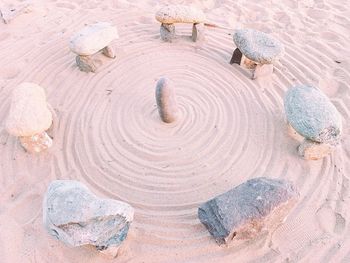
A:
{"x": 166, "y": 100}
{"x": 256, "y": 206}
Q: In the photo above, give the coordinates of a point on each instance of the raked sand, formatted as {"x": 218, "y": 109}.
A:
{"x": 108, "y": 134}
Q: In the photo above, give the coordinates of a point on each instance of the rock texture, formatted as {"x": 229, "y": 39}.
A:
{"x": 166, "y": 100}
{"x": 258, "y": 46}
{"x": 310, "y": 112}
{"x": 36, "y": 143}
{"x": 75, "y": 216}
{"x": 167, "y": 32}
{"x": 179, "y": 14}
{"x": 256, "y": 206}
{"x": 93, "y": 38}
{"x": 29, "y": 113}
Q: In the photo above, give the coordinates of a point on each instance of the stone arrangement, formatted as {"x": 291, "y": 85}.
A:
{"x": 166, "y": 100}
{"x": 77, "y": 217}
{"x": 256, "y": 50}
{"x": 172, "y": 14}
{"x": 312, "y": 115}
{"x": 245, "y": 212}
{"x": 90, "y": 40}
{"x": 29, "y": 117}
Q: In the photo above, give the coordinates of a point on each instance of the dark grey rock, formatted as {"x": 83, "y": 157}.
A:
{"x": 258, "y": 46}
{"x": 167, "y": 32}
{"x": 256, "y": 206}
{"x": 310, "y": 112}
{"x": 77, "y": 217}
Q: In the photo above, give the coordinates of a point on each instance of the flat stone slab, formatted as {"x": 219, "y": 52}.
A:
{"x": 311, "y": 113}
{"x": 93, "y": 38}
{"x": 75, "y": 216}
{"x": 243, "y": 213}
{"x": 29, "y": 113}
{"x": 258, "y": 46}
{"x": 171, "y": 14}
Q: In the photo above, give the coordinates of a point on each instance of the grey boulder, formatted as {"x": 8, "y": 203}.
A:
{"x": 258, "y": 46}
{"x": 75, "y": 216}
{"x": 248, "y": 210}
{"x": 310, "y": 112}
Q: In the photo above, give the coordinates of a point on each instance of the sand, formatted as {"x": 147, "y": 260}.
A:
{"x": 108, "y": 134}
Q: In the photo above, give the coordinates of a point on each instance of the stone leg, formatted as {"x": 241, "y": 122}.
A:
{"x": 36, "y": 143}
{"x": 236, "y": 57}
{"x": 198, "y": 32}
{"x": 167, "y": 32}
{"x": 311, "y": 150}
{"x": 262, "y": 70}
{"x": 247, "y": 63}
{"x": 108, "y": 52}
{"x": 294, "y": 134}
{"x": 85, "y": 63}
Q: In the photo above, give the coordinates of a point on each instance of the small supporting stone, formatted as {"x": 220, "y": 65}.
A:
{"x": 85, "y": 63}
{"x": 108, "y": 52}
{"x": 262, "y": 70}
{"x": 198, "y": 32}
{"x": 236, "y": 57}
{"x": 247, "y": 63}
{"x": 166, "y": 101}
{"x": 36, "y": 143}
{"x": 167, "y": 32}
{"x": 311, "y": 150}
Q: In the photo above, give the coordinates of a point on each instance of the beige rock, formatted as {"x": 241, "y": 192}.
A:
{"x": 311, "y": 150}
{"x": 36, "y": 143}
{"x": 171, "y": 14}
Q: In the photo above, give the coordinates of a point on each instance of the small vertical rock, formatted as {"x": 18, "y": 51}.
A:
{"x": 166, "y": 101}
{"x": 167, "y": 32}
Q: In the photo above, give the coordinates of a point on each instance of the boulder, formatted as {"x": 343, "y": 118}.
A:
{"x": 171, "y": 14}
{"x": 258, "y": 46}
{"x": 248, "y": 210}
{"x": 75, "y": 216}
{"x": 310, "y": 112}
{"x": 93, "y": 38}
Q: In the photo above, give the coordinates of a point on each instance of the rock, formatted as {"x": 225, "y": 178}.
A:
{"x": 36, "y": 143}
{"x": 258, "y": 46}
{"x": 171, "y": 14}
{"x": 92, "y": 38}
{"x": 256, "y": 206}
{"x": 311, "y": 150}
{"x": 198, "y": 32}
{"x": 75, "y": 216}
{"x": 29, "y": 113}
{"x": 310, "y": 112}
{"x": 167, "y": 32}
{"x": 166, "y": 100}
{"x": 85, "y": 63}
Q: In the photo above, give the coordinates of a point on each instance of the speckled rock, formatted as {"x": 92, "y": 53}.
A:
{"x": 171, "y": 14}
{"x": 258, "y": 46}
{"x": 166, "y": 100}
{"x": 248, "y": 210}
{"x": 75, "y": 216}
{"x": 310, "y": 112}
{"x": 93, "y": 38}
{"x": 29, "y": 113}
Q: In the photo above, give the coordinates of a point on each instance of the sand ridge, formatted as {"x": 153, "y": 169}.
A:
{"x": 108, "y": 134}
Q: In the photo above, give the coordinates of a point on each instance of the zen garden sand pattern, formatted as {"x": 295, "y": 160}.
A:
{"x": 125, "y": 140}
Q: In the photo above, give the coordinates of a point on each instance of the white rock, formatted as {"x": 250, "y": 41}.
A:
{"x": 29, "y": 114}
{"x": 75, "y": 216}
{"x": 179, "y": 14}
{"x": 92, "y": 38}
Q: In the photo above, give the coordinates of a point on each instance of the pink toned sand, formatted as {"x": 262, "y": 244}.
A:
{"x": 108, "y": 134}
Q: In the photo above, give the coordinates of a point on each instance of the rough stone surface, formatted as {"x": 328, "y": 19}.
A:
{"x": 167, "y": 32}
{"x": 36, "y": 143}
{"x": 171, "y": 14}
{"x": 262, "y": 70}
{"x": 166, "y": 100}
{"x": 311, "y": 150}
{"x": 310, "y": 112}
{"x": 92, "y": 38}
{"x": 75, "y": 216}
{"x": 258, "y": 46}
{"x": 108, "y": 52}
{"x": 29, "y": 113}
{"x": 256, "y": 206}
{"x": 85, "y": 63}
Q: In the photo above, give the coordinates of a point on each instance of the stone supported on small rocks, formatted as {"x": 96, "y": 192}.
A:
{"x": 198, "y": 32}
{"x": 248, "y": 210}
{"x": 75, "y": 216}
{"x": 311, "y": 150}
{"x": 108, "y": 52}
{"x": 36, "y": 143}
{"x": 85, "y": 63}
{"x": 166, "y": 100}
{"x": 167, "y": 32}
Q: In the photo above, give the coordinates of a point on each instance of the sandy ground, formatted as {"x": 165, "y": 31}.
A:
{"x": 108, "y": 135}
